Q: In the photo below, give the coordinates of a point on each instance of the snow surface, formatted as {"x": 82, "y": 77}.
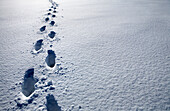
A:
{"x": 111, "y": 55}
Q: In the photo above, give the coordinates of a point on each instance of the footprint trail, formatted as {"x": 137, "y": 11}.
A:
{"x": 34, "y": 89}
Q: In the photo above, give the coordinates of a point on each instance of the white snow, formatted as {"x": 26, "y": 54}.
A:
{"x": 111, "y": 55}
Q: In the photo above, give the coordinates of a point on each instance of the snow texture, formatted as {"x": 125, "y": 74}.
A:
{"x": 104, "y": 55}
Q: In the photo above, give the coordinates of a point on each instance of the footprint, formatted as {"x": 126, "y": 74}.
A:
{"x": 54, "y": 7}
{"x": 52, "y": 23}
{"x": 54, "y": 11}
{"x": 53, "y": 15}
{"x": 52, "y": 34}
{"x": 49, "y": 13}
{"x": 47, "y": 19}
{"x": 29, "y": 82}
{"x": 49, "y": 9}
{"x": 38, "y": 44}
{"x": 56, "y": 4}
{"x": 50, "y": 59}
{"x": 52, "y": 104}
{"x": 42, "y": 28}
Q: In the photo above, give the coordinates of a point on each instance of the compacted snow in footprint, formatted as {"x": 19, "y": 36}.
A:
{"x": 88, "y": 55}
{"x": 52, "y": 104}
{"x": 50, "y": 59}
{"x": 29, "y": 82}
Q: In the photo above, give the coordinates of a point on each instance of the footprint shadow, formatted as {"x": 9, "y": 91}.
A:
{"x": 38, "y": 45}
{"x": 52, "y": 23}
{"x": 42, "y": 29}
{"x": 29, "y": 82}
{"x": 47, "y": 19}
{"x": 52, "y": 34}
{"x": 50, "y": 59}
{"x": 53, "y": 16}
{"x": 52, "y": 104}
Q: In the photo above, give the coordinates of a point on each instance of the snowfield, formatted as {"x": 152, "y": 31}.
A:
{"x": 85, "y": 55}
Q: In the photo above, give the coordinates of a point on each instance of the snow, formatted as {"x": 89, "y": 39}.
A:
{"x": 110, "y": 55}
